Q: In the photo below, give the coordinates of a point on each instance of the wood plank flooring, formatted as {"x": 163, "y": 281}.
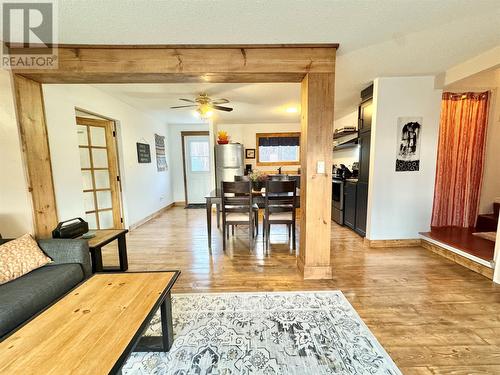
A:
{"x": 432, "y": 315}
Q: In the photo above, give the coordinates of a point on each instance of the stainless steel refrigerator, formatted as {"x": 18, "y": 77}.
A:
{"x": 229, "y": 162}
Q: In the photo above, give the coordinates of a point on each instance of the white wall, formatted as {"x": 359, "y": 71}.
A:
{"x": 346, "y": 156}
{"x": 400, "y": 203}
{"x": 348, "y": 120}
{"x": 175, "y": 152}
{"x": 496, "y": 256}
{"x": 145, "y": 190}
{"x": 246, "y": 135}
{"x": 15, "y": 201}
{"x": 491, "y": 173}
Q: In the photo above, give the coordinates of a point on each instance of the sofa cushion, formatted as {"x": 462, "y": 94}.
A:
{"x": 26, "y": 296}
{"x": 20, "y": 256}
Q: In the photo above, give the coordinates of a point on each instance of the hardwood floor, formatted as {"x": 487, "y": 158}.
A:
{"x": 431, "y": 315}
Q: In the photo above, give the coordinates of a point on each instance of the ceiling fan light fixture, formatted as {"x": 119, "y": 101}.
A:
{"x": 205, "y": 106}
{"x": 204, "y": 112}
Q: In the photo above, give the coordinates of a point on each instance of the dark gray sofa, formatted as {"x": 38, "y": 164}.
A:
{"x": 24, "y": 297}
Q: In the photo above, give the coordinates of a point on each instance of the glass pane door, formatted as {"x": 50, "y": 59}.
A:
{"x": 96, "y": 175}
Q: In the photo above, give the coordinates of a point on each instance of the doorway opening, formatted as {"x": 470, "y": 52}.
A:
{"x": 313, "y": 65}
{"x": 196, "y": 167}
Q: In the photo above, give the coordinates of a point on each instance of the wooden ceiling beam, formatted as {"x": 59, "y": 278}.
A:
{"x": 245, "y": 64}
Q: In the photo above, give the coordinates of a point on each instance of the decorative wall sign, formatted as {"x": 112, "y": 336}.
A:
{"x": 161, "y": 160}
{"x": 250, "y": 153}
{"x": 408, "y": 152}
{"x": 143, "y": 153}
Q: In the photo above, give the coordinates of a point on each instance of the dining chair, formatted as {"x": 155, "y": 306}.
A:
{"x": 280, "y": 208}
{"x": 295, "y": 178}
{"x": 255, "y": 206}
{"x": 237, "y": 209}
{"x": 241, "y": 178}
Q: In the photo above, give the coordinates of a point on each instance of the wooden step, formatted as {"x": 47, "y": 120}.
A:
{"x": 444, "y": 251}
{"x": 487, "y": 223}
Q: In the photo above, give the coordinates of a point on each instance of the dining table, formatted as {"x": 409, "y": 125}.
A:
{"x": 215, "y": 197}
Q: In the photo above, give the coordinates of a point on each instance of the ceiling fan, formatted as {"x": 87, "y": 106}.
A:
{"x": 205, "y": 105}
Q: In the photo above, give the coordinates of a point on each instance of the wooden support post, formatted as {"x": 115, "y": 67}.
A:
{"x": 34, "y": 138}
{"x": 316, "y": 188}
{"x": 496, "y": 257}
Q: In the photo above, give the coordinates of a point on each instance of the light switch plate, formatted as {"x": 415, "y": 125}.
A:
{"x": 320, "y": 167}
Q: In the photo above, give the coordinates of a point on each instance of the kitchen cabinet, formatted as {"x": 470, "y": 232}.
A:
{"x": 361, "y": 207}
{"x": 365, "y": 122}
{"x": 365, "y": 116}
{"x": 350, "y": 204}
{"x": 362, "y": 186}
{"x": 364, "y": 156}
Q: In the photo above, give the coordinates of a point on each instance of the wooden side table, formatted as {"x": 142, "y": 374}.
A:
{"x": 102, "y": 238}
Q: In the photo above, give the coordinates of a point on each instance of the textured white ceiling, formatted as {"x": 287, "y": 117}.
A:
{"x": 377, "y": 38}
{"x": 252, "y": 103}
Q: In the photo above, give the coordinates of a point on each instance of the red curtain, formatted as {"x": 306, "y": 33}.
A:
{"x": 459, "y": 171}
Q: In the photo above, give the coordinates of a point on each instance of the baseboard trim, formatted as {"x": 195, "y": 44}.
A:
{"x": 179, "y": 204}
{"x": 152, "y": 216}
{"x": 314, "y": 272}
{"x": 412, "y": 242}
{"x": 451, "y": 254}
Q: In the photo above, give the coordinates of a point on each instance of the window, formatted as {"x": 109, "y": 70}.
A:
{"x": 199, "y": 155}
{"x": 278, "y": 148}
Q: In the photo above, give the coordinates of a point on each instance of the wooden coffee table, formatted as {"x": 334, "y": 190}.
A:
{"x": 94, "y": 328}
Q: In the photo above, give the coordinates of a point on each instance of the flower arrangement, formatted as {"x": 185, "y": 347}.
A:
{"x": 222, "y": 137}
{"x": 258, "y": 179}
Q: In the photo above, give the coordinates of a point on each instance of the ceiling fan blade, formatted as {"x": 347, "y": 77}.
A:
{"x": 220, "y": 101}
{"x": 184, "y": 106}
{"x": 187, "y": 100}
{"x": 220, "y": 108}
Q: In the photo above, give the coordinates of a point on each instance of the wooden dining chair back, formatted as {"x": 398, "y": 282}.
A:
{"x": 295, "y": 178}
{"x": 255, "y": 205}
{"x": 237, "y": 208}
{"x": 241, "y": 178}
{"x": 280, "y": 208}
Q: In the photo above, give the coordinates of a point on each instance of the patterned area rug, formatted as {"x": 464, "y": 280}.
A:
{"x": 265, "y": 333}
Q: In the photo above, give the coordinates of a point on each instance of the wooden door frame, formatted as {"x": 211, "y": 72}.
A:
{"x": 113, "y": 165}
{"x": 183, "y": 135}
{"x": 313, "y": 65}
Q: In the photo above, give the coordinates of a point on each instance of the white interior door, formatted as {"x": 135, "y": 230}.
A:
{"x": 197, "y": 167}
